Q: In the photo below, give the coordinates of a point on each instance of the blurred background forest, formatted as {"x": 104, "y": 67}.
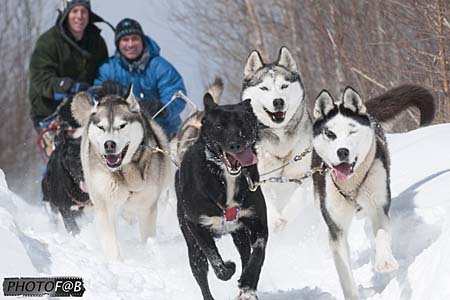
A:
{"x": 372, "y": 45}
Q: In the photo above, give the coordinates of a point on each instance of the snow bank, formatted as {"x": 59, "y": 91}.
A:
{"x": 15, "y": 260}
{"x": 298, "y": 262}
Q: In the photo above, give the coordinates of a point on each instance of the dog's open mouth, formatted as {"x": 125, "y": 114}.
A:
{"x": 277, "y": 116}
{"x": 114, "y": 161}
{"x": 235, "y": 161}
{"x": 343, "y": 170}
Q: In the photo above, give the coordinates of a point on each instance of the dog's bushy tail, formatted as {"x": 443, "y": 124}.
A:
{"x": 216, "y": 89}
{"x": 386, "y": 106}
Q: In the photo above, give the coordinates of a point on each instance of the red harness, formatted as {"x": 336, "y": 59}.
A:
{"x": 231, "y": 214}
{"x": 53, "y": 126}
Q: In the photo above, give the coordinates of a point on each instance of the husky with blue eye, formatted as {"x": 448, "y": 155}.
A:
{"x": 277, "y": 96}
{"x": 350, "y": 144}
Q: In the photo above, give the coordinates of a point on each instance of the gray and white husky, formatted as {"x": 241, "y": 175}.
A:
{"x": 277, "y": 96}
{"x": 351, "y": 144}
{"x": 124, "y": 172}
{"x": 278, "y": 99}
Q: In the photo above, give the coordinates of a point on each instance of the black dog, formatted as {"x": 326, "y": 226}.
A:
{"x": 61, "y": 185}
{"x": 214, "y": 196}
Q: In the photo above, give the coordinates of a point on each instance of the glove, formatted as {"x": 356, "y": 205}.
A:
{"x": 152, "y": 106}
{"x": 65, "y": 86}
{"x": 111, "y": 87}
{"x": 79, "y": 86}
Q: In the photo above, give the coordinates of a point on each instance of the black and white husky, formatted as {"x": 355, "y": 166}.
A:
{"x": 124, "y": 171}
{"x": 350, "y": 143}
{"x": 214, "y": 197}
{"x": 277, "y": 96}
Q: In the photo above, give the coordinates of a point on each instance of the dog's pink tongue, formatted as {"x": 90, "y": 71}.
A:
{"x": 246, "y": 157}
{"x": 342, "y": 171}
{"x": 279, "y": 114}
{"x": 112, "y": 159}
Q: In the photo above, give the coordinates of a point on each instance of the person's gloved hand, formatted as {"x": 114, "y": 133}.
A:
{"x": 79, "y": 86}
{"x": 111, "y": 87}
{"x": 65, "y": 86}
{"x": 152, "y": 106}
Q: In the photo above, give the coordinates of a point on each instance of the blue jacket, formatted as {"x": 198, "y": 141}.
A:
{"x": 152, "y": 77}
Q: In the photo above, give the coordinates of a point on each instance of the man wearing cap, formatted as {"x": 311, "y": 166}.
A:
{"x": 65, "y": 60}
{"x": 155, "y": 80}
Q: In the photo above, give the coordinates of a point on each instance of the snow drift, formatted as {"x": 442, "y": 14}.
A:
{"x": 298, "y": 263}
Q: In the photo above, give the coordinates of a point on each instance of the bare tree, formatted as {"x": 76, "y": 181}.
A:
{"x": 371, "y": 45}
{"x": 20, "y": 25}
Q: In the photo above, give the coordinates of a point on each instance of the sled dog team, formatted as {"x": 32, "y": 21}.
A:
{"x": 126, "y": 167}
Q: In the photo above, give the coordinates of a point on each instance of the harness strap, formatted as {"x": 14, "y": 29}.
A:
{"x": 253, "y": 186}
{"x": 296, "y": 158}
{"x": 53, "y": 126}
{"x": 39, "y": 144}
{"x": 175, "y": 96}
{"x": 347, "y": 194}
{"x": 229, "y": 214}
{"x": 171, "y": 156}
{"x": 82, "y": 203}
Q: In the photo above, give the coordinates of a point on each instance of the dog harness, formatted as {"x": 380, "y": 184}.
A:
{"x": 231, "y": 214}
{"x": 230, "y": 217}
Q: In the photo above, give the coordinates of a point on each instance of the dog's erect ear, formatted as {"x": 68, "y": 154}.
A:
{"x": 132, "y": 102}
{"x": 247, "y": 105}
{"x": 286, "y": 60}
{"x": 129, "y": 91}
{"x": 81, "y": 108}
{"x": 216, "y": 89}
{"x": 247, "y": 102}
{"x": 208, "y": 102}
{"x": 254, "y": 63}
{"x": 351, "y": 100}
{"x": 324, "y": 104}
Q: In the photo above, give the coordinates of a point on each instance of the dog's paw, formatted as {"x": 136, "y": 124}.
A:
{"x": 386, "y": 264}
{"x": 226, "y": 271}
{"x": 247, "y": 294}
{"x": 384, "y": 260}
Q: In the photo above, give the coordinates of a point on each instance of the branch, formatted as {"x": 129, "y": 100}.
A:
{"x": 368, "y": 78}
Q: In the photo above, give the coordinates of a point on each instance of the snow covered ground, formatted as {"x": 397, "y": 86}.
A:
{"x": 298, "y": 262}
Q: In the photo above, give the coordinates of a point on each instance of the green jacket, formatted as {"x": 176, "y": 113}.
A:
{"x": 54, "y": 57}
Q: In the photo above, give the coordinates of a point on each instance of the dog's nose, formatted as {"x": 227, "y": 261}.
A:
{"x": 235, "y": 147}
{"x": 110, "y": 146}
{"x": 278, "y": 103}
{"x": 343, "y": 153}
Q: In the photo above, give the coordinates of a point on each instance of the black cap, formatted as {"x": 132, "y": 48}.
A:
{"x": 128, "y": 26}
{"x": 69, "y": 4}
